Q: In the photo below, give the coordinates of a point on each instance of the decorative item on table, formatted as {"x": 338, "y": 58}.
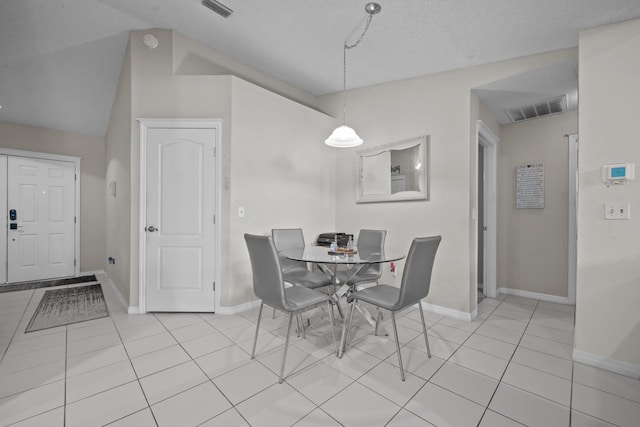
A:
{"x": 334, "y": 245}
{"x": 325, "y": 239}
{"x": 346, "y": 251}
{"x": 349, "y": 249}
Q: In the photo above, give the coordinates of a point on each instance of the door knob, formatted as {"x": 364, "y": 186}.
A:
{"x": 150, "y": 229}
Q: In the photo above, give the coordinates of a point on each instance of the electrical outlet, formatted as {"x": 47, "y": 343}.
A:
{"x": 617, "y": 210}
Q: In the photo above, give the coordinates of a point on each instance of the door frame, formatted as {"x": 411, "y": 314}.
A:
{"x": 168, "y": 123}
{"x": 48, "y": 156}
{"x": 573, "y": 148}
{"x": 489, "y": 141}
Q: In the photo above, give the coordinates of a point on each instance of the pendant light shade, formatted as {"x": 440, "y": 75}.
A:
{"x": 343, "y": 137}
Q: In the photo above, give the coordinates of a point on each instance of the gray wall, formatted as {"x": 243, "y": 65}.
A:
{"x": 533, "y": 243}
{"x": 91, "y": 150}
{"x": 439, "y": 105}
{"x": 266, "y": 139}
{"x": 608, "y": 277}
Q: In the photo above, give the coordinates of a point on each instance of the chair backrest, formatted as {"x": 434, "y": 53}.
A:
{"x": 288, "y": 238}
{"x": 416, "y": 277}
{"x": 371, "y": 241}
{"x": 268, "y": 284}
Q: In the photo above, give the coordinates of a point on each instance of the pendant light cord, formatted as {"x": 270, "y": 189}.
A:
{"x": 344, "y": 68}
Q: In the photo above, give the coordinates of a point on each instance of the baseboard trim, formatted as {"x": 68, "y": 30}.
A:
{"x": 456, "y": 314}
{"x": 622, "y": 368}
{"x": 113, "y": 286}
{"x": 235, "y": 309}
{"x": 534, "y": 295}
{"x": 133, "y": 309}
{"x": 95, "y": 273}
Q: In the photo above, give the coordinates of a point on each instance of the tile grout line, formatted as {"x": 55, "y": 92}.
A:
{"x": 136, "y": 374}
{"x": 201, "y": 370}
{"x": 507, "y": 366}
{"x": 16, "y": 329}
{"x": 428, "y": 380}
{"x": 530, "y": 323}
{"x": 66, "y": 350}
{"x": 570, "y": 407}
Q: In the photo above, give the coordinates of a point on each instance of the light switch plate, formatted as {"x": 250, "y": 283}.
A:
{"x": 617, "y": 210}
{"x": 240, "y": 212}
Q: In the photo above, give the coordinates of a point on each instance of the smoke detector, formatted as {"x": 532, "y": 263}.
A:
{"x": 547, "y": 107}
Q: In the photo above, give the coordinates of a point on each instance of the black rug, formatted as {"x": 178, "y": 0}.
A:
{"x": 25, "y": 286}
{"x": 71, "y": 305}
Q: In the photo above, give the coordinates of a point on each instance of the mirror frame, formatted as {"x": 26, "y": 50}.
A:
{"x": 423, "y": 180}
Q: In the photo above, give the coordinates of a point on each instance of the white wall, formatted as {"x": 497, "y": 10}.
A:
{"x": 118, "y": 170}
{"x": 156, "y": 92}
{"x": 533, "y": 243}
{"x": 437, "y": 105}
{"x": 282, "y": 173}
{"x": 91, "y": 150}
{"x": 608, "y": 276}
{"x": 266, "y": 140}
{"x": 193, "y": 58}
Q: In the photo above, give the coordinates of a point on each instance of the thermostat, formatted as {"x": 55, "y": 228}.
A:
{"x": 619, "y": 173}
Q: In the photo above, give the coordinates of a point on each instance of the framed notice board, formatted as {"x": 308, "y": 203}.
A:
{"x": 530, "y": 186}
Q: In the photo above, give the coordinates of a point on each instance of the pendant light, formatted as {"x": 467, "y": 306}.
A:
{"x": 343, "y": 136}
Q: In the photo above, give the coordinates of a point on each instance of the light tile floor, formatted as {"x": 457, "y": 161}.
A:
{"x": 509, "y": 367}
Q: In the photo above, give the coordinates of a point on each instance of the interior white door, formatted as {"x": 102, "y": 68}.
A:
{"x": 41, "y": 219}
{"x": 180, "y": 208}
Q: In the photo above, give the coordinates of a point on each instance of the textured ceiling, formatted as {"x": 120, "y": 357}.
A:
{"x": 60, "y": 59}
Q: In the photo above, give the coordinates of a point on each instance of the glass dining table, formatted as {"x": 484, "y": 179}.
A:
{"x": 354, "y": 262}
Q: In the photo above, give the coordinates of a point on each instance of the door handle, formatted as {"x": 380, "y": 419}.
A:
{"x": 150, "y": 229}
{"x": 16, "y": 227}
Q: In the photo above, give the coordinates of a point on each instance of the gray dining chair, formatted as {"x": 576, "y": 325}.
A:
{"x": 296, "y": 272}
{"x": 369, "y": 241}
{"x": 416, "y": 280}
{"x": 268, "y": 285}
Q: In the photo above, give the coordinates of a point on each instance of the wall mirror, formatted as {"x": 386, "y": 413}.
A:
{"x": 393, "y": 172}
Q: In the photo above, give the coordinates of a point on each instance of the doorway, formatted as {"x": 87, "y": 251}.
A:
{"x": 39, "y": 193}
{"x": 487, "y": 167}
{"x": 178, "y": 210}
{"x": 481, "y": 227}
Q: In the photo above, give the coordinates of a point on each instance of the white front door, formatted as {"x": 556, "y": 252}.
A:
{"x": 3, "y": 218}
{"x": 41, "y": 219}
{"x": 179, "y": 229}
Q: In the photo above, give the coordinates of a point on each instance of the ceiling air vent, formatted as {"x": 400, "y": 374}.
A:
{"x": 217, "y": 7}
{"x": 555, "y": 105}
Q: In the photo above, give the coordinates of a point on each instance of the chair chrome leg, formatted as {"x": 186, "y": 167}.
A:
{"x": 334, "y": 286}
{"x": 339, "y": 308}
{"x": 255, "y": 339}
{"x": 395, "y": 332}
{"x": 424, "y": 329}
{"x": 298, "y": 326}
{"x": 286, "y": 346}
{"x": 333, "y": 332}
{"x": 375, "y": 332}
{"x": 346, "y": 335}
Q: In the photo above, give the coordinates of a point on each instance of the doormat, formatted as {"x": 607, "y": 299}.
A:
{"x": 71, "y": 305}
{"x": 25, "y": 286}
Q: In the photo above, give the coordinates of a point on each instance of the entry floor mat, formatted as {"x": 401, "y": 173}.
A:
{"x": 70, "y": 305}
{"x": 25, "y": 286}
